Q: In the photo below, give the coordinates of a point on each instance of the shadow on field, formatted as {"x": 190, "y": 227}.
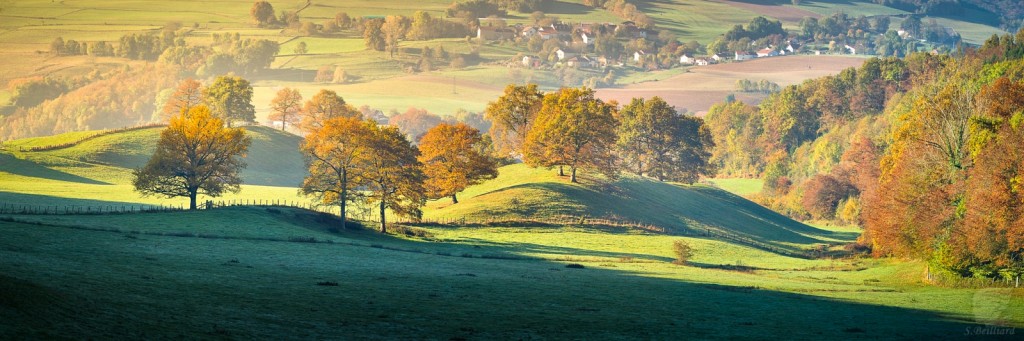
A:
{"x": 14, "y": 165}
{"x": 681, "y": 209}
{"x": 216, "y": 288}
{"x": 39, "y": 201}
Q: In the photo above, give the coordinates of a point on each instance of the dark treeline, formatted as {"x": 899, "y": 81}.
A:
{"x": 920, "y": 151}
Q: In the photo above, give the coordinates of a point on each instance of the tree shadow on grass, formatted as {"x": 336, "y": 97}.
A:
{"x": 679, "y": 209}
{"x": 404, "y": 295}
{"x": 11, "y": 164}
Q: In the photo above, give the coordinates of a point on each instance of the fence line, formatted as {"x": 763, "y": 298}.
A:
{"x": 87, "y": 138}
{"x": 554, "y": 220}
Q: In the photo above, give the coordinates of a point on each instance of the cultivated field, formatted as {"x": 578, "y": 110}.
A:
{"x": 702, "y": 86}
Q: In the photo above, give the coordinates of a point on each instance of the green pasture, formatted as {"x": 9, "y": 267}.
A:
{"x": 852, "y": 8}
{"x": 254, "y": 272}
{"x": 738, "y": 186}
{"x": 276, "y": 272}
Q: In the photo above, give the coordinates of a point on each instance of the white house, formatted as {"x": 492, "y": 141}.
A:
{"x": 639, "y": 55}
{"x": 531, "y": 61}
{"x": 702, "y": 62}
{"x": 742, "y": 55}
{"x": 851, "y": 49}
{"x": 718, "y": 58}
{"x": 767, "y": 52}
{"x": 686, "y": 60}
{"x": 587, "y": 38}
{"x": 563, "y": 54}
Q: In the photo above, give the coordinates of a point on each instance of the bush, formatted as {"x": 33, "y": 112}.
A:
{"x": 683, "y": 251}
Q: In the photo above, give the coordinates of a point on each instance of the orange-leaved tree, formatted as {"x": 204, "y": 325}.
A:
{"x": 573, "y": 129}
{"x": 325, "y": 105}
{"x": 336, "y": 155}
{"x": 512, "y": 114}
{"x": 195, "y": 154}
{"x": 394, "y": 177}
{"x": 453, "y": 158}
{"x": 286, "y": 107}
{"x": 188, "y": 94}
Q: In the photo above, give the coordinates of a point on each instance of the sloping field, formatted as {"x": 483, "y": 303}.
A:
{"x": 98, "y": 171}
{"x": 524, "y": 193}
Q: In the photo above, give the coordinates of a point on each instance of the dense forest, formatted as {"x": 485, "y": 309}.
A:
{"x": 923, "y": 152}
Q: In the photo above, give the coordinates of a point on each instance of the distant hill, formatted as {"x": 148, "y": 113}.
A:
{"x": 273, "y": 158}
{"x": 521, "y": 192}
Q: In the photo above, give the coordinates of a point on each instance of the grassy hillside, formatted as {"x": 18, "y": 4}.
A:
{"x": 208, "y": 275}
{"x": 98, "y": 170}
{"x": 521, "y": 192}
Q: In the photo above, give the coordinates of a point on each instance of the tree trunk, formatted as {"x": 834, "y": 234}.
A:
{"x": 383, "y": 229}
{"x": 344, "y": 198}
{"x": 192, "y": 199}
{"x": 454, "y": 199}
{"x": 573, "y": 177}
{"x": 560, "y": 172}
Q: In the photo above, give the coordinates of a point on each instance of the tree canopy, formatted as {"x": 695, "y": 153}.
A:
{"x": 454, "y": 158}
{"x": 573, "y": 129}
{"x": 325, "y": 105}
{"x": 394, "y": 176}
{"x": 230, "y": 98}
{"x": 337, "y": 155}
{"x": 656, "y": 140}
{"x": 512, "y": 115}
{"x": 195, "y": 155}
{"x": 286, "y": 107}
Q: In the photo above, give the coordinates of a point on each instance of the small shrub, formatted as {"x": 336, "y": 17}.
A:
{"x": 575, "y": 266}
{"x": 683, "y": 251}
{"x": 302, "y": 239}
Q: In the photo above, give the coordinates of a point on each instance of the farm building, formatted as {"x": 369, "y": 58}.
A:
{"x": 495, "y": 33}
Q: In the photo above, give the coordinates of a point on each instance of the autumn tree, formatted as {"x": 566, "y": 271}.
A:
{"x": 188, "y": 95}
{"x": 372, "y": 34}
{"x": 415, "y": 122}
{"x": 286, "y": 107}
{"x": 325, "y": 105}
{"x": 656, "y": 140}
{"x": 262, "y": 13}
{"x": 394, "y": 29}
{"x": 230, "y": 98}
{"x": 822, "y": 194}
{"x": 337, "y": 154}
{"x": 195, "y": 155}
{"x": 394, "y": 177}
{"x": 512, "y": 115}
{"x": 453, "y": 159}
{"x": 573, "y": 129}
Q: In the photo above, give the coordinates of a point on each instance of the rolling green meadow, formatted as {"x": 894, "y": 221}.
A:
{"x": 279, "y": 272}
{"x": 527, "y": 255}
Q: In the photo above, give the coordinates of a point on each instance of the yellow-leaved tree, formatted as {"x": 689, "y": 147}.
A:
{"x": 196, "y": 154}
{"x": 337, "y": 155}
{"x": 453, "y": 158}
{"x": 394, "y": 177}
{"x": 573, "y": 129}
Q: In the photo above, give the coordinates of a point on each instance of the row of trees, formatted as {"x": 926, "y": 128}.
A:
{"x": 229, "y": 98}
{"x": 571, "y": 128}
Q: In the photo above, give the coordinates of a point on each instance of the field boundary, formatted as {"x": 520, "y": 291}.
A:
{"x": 90, "y": 137}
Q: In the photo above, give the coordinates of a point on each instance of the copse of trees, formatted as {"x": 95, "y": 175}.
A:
{"x": 195, "y": 155}
{"x": 655, "y": 140}
{"x": 923, "y": 152}
{"x": 512, "y": 115}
